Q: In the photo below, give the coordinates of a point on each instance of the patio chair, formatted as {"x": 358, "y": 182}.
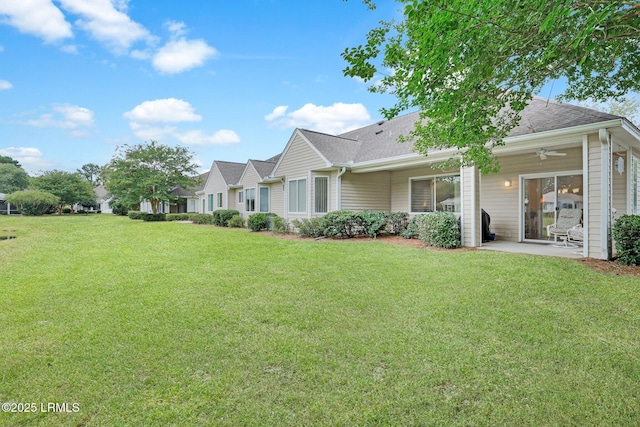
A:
{"x": 567, "y": 218}
{"x": 575, "y": 236}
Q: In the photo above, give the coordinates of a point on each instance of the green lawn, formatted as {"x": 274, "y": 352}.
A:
{"x": 177, "y": 324}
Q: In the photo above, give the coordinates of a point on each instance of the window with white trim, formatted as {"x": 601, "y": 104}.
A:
{"x": 435, "y": 194}
{"x": 321, "y": 202}
{"x": 298, "y": 195}
{"x": 210, "y": 202}
{"x": 250, "y": 199}
{"x": 240, "y": 196}
{"x": 218, "y": 200}
{"x": 264, "y": 199}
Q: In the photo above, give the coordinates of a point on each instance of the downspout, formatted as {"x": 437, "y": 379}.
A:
{"x": 606, "y": 201}
{"x": 339, "y": 187}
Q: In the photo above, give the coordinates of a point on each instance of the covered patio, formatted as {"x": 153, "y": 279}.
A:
{"x": 544, "y": 249}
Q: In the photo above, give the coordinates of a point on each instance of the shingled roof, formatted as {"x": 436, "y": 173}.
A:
{"x": 230, "y": 171}
{"x": 379, "y": 140}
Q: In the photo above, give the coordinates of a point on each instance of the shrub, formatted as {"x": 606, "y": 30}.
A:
{"x": 313, "y": 227}
{"x": 201, "y": 218}
{"x": 411, "y": 232}
{"x": 118, "y": 208}
{"x": 374, "y": 222}
{"x": 236, "y": 221}
{"x": 279, "y": 225}
{"x": 33, "y": 202}
{"x": 343, "y": 224}
{"x": 221, "y": 217}
{"x": 134, "y": 214}
{"x": 626, "y": 234}
{"x": 397, "y": 222}
{"x": 151, "y": 217}
{"x": 66, "y": 210}
{"x": 439, "y": 229}
{"x": 177, "y": 217}
{"x": 259, "y": 221}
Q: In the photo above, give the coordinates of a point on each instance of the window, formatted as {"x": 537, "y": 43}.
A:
{"x": 298, "y": 195}
{"x": 240, "y": 197}
{"x": 250, "y": 199}
{"x": 322, "y": 194}
{"x": 435, "y": 194}
{"x": 218, "y": 200}
{"x": 210, "y": 202}
{"x": 264, "y": 199}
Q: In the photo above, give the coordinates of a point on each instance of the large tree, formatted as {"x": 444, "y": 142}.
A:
{"x": 12, "y": 178}
{"x": 92, "y": 173}
{"x": 7, "y": 159}
{"x": 471, "y": 66}
{"x": 149, "y": 172}
{"x": 69, "y": 187}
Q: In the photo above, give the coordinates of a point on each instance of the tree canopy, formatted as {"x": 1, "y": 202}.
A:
{"x": 69, "y": 187}
{"x": 471, "y": 66}
{"x": 12, "y": 178}
{"x": 7, "y": 159}
{"x": 92, "y": 173}
{"x": 149, "y": 171}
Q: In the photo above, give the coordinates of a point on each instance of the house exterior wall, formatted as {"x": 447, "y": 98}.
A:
{"x": 366, "y": 191}
{"x": 250, "y": 180}
{"x": 502, "y": 203}
{"x": 277, "y": 198}
{"x": 399, "y": 181}
{"x": 298, "y": 161}
{"x": 214, "y": 185}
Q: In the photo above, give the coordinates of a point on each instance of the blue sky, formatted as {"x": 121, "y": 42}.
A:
{"x": 230, "y": 80}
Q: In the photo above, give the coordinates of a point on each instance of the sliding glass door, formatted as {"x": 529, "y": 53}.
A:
{"x": 543, "y": 196}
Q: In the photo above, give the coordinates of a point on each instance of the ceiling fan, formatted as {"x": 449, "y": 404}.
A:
{"x": 543, "y": 154}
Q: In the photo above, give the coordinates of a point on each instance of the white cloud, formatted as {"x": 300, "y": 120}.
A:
{"x": 108, "y": 23}
{"x": 40, "y": 18}
{"x": 30, "y": 158}
{"x": 334, "y": 119}
{"x": 146, "y": 123}
{"x": 277, "y": 112}
{"x": 177, "y": 29}
{"x": 198, "y": 137}
{"x": 70, "y": 117}
{"x": 4, "y": 85}
{"x": 181, "y": 55}
{"x": 170, "y": 110}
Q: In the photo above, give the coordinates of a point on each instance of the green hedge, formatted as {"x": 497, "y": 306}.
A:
{"x": 347, "y": 223}
{"x": 200, "y": 218}
{"x": 151, "y": 217}
{"x": 178, "y": 217}
{"x": 135, "y": 214}
{"x": 439, "y": 229}
{"x": 626, "y": 234}
{"x": 236, "y": 222}
{"x": 221, "y": 217}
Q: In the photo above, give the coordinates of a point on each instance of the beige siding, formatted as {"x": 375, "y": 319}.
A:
{"x": 366, "y": 191}
{"x": 250, "y": 180}
{"x": 215, "y": 184}
{"x": 277, "y": 199}
{"x": 502, "y": 203}
{"x": 297, "y": 162}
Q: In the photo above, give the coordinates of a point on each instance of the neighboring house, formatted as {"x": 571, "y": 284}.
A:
{"x": 186, "y": 200}
{"x": 218, "y": 191}
{"x": 6, "y": 208}
{"x": 557, "y": 150}
{"x": 103, "y": 199}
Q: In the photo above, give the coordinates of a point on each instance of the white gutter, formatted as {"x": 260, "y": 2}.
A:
{"x": 339, "y": 187}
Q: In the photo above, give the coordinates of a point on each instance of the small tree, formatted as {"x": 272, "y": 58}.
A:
{"x": 70, "y": 188}
{"x": 33, "y": 202}
{"x": 149, "y": 171}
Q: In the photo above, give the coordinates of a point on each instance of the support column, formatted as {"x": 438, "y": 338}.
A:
{"x": 471, "y": 211}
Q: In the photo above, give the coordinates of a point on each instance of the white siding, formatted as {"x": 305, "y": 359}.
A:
{"x": 595, "y": 190}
